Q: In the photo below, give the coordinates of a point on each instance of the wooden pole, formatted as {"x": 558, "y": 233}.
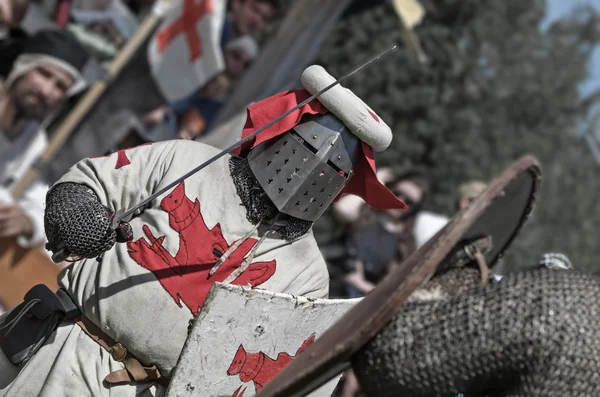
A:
{"x": 86, "y": 103}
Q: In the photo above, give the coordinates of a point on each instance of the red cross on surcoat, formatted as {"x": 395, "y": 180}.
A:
{"x": 186, "y": 24}
{"x": 122, "y": 159}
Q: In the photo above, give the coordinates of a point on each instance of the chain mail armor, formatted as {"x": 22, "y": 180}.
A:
{"x": 533, "y": 334}
{"x": 75, "y": 217}
{"x": 259, "y": 207}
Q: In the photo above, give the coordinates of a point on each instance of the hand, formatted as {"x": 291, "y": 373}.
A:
{"x": 192, "y": 124}
{"x": 13, "y": 222}
{"x": 358, "y": 280}
{"x": 157, "y": 115}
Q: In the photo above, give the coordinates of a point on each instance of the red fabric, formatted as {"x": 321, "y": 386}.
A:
{"x": 364, "y": 182}
{"x": 269, "y": 109}
{"x": 62, "y": 13}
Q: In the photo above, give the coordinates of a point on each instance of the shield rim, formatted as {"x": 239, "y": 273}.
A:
{"x": 329, "y": 354}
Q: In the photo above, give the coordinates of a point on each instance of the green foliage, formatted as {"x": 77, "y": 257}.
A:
{"x": 495, "y": 87}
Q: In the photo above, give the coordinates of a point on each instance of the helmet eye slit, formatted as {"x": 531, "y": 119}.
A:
{"x": 303, "y": 142}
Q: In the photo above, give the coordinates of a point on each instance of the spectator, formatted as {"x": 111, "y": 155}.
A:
{"x": 247, "y": 17}
{"x": 45, "y": 74}
{"x": 191, "y": 116}
{"x": 102, "y": 27}
{"x": 468, "y": 191}
{"x": 388, "y": 237}
{"x": 12, "y": 37}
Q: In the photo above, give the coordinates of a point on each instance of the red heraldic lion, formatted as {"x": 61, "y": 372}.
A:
{"x": 186, "y": 275}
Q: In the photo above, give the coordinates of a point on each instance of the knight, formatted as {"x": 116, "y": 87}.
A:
{"x": 120, "y": 320}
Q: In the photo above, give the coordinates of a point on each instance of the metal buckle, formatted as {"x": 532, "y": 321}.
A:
{"x": 123, "y": 349}
{"x": 471, "y": 254}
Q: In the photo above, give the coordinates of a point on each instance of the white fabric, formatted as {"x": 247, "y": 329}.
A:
{"x": 360, "y": 119}
{"x": 27, "y": 62}
{"x": 176, "y": 74}
{"x": 144, "y": 296}
{"x": 245, "y": 43}
{"x": 15, "y": 159}
{"x": 427, "y": 225}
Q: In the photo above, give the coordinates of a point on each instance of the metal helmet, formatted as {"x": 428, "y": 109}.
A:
{"x": 303, "y": 170}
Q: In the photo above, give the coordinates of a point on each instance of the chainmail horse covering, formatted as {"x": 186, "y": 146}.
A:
{"x": 533, "y": 334}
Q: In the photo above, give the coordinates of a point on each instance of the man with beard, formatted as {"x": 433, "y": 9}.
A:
{"x": 245, "y": 219}
{"x": 45, "y": 73}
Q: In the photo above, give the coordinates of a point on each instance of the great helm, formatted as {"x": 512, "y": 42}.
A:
{"x": 303, "y": 170}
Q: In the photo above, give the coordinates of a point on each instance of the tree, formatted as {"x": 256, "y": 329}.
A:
{"x": 496, "y": 87}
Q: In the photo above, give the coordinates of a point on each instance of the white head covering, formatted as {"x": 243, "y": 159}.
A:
{"x": 245, "y": 43}
{"x": 27, "y": 62}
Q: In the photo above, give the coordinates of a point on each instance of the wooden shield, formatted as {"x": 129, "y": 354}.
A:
{"x": 500, "y": 211}
{"x": 243, "y": 337}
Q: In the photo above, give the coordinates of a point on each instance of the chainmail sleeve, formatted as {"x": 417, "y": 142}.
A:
{"x": 534, "y": 334}
{"x": 76, "y": 217}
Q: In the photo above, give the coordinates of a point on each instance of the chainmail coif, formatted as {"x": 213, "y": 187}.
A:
{"x": 533, "y": 334}
{"x": 259, "y": 208}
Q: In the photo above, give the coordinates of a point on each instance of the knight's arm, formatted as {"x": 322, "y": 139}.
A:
{"x": 81, "y": 204}
{"x": 510, "y": 337}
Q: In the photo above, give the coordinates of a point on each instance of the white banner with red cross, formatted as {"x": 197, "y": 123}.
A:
{"x": 185, "y": 51}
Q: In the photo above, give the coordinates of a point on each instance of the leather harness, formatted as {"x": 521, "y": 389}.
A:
{"x": 134, "y": 370}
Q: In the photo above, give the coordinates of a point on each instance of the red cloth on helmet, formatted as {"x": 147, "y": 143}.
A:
{"x": 363, "y": 183}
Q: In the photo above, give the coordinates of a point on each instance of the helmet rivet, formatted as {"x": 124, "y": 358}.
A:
{"x": 339, "y": 157}
{"x": 314, "y": 137}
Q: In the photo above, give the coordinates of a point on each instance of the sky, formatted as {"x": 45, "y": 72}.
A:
{"x": 559, "y": 8}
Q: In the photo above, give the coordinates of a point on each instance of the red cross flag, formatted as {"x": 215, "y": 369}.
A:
{"x": 185, "y": 51}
